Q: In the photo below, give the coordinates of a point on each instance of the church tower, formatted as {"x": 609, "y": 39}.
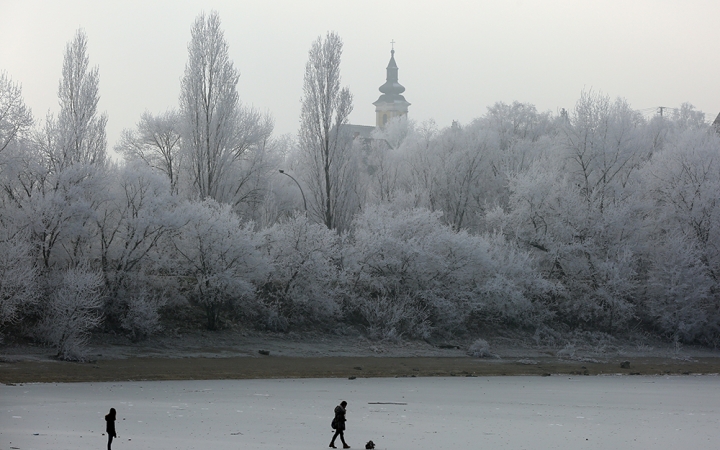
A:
{"x": 391, "y": 103}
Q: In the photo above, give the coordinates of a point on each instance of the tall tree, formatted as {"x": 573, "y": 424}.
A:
{"x": 71, "y": 152}
{"x": 209, "y": 104}
{"x": 325, "y": 109}
{"x": 217, "y": 130}
{"x": 80, "y": 130}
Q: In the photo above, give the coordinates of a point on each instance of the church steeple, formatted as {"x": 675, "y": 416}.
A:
{"x": 391, "y": 103}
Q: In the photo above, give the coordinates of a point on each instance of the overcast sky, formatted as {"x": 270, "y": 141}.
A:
{"x": 456, "y": 57}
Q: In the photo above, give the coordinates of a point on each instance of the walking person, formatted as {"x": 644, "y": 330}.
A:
{"x": 338, "y": 424}
{"x": 110, "y": 427}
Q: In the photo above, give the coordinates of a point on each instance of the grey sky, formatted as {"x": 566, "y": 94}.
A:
{"x": 456, "y": 57}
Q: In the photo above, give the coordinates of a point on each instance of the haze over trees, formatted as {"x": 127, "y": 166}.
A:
{"x": 596, "y": 219}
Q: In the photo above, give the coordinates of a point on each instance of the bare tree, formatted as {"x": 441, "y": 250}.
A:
{"x": 15, "y": 117}
{"x": 155, "y": 141}
{"x": 325, "y": 109}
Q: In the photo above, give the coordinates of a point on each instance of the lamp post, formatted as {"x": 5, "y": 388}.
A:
{"x": 299, "y": 187}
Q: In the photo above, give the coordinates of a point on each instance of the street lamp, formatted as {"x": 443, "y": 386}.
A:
{"x": 299, "y": 187}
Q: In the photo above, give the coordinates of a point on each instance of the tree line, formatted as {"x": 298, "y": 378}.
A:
{"x": 596, "y": 218}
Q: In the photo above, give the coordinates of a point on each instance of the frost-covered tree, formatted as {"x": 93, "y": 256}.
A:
{"x": 209, "y": 105}
{"x": 63, "y": 172}
{"x": 156, "y": 142}
{"x": 387, "y": 162}
{"x": 681, "y": 292}
{"x": 573, "y": 205}
{"x": 136, "y": 212}
{"x": 460, "y": 177}
{"x": 303, "y": 287}
{"x": 15, "y": 117}
{"x": 407, "y": 271}
{"x": 142, "y": 316}
{"x": 18, "y": 275}
{"x": 217, "y": 130}
{"x": 687, "y": 117}
{"x": 77, "y": 136}
{"x": 217, "y": 258}
{"x": 515, "y": 123}
{"x": 325, "y": 144}
{"x": 682, "y": 223}
{"x": 604, "y": 148}
{"x": 72, "y": 311}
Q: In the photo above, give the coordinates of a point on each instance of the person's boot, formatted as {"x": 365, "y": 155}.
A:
{"x": 345, "y": 445}
{"x": 332, "y": 445}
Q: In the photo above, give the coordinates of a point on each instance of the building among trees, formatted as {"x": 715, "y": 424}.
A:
{"x": 389, "y": 105}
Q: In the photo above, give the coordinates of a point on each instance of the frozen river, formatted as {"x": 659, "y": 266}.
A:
{"x": 558, "y": 412}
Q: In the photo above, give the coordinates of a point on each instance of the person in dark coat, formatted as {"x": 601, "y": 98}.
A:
{"x": 338, "y": 424}
{"x": 110, "y": 427}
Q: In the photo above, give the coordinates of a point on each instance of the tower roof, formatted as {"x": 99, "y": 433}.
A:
{"x": 392, "y": 89}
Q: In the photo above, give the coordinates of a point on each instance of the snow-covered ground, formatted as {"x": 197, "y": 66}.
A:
{"x": 558, "y": 412}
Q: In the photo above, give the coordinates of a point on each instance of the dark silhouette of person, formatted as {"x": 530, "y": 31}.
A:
{"x": 338, "y": 424}
{"x": 110, "y": 427}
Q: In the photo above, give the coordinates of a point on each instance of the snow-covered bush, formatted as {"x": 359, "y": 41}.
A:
{"x": 567, "y": 352}
{"x": 479, "y": 349}
{"x": 303, "y": 285}
{"x": 72, "y": 311}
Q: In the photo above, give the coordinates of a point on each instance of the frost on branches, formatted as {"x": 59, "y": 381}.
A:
{"x": 73, "y": 310}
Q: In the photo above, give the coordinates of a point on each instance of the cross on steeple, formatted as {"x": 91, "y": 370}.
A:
{"x": 393, "y": 44}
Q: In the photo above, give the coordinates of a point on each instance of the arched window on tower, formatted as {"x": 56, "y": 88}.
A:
{"x": 384, "y": 119}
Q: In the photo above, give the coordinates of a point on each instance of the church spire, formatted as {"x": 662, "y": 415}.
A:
{"x": 391, "y": 103}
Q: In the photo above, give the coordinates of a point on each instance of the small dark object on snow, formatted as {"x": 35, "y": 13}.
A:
{"x": 625, "y": 365}
{"x": 370, "y": 445}
{"x": 264, "y": 352}
{"x": 352, "y": 378}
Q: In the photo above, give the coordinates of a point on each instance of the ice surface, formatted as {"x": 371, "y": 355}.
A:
{"x": 558, "y": 412}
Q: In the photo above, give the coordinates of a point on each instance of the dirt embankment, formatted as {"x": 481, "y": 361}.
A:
{"x": 240, "y": 356}
{"x": 331, "y": 367}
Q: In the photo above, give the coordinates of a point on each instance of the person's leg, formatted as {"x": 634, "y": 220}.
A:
{"x": 332, "y": 443}
{"x": 342, "y": 439}
{"x": 110, "y": 437}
